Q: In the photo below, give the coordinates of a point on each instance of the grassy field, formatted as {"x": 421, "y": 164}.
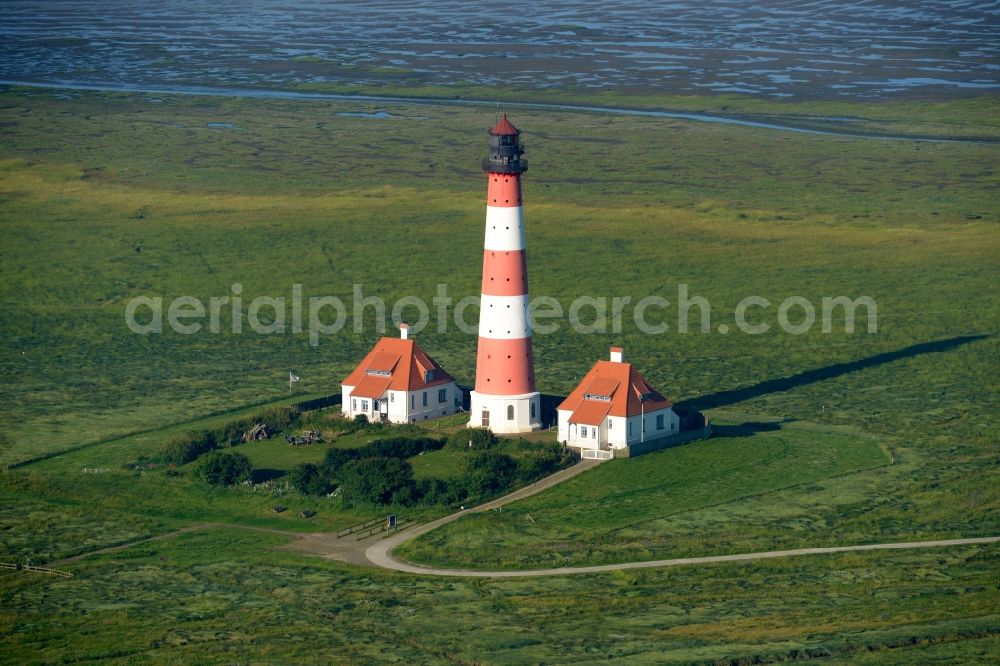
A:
{"x": 224, "y": 596}
{"x": 964, "y": 117}
{"x": 104, "y": 197}
{"x": 621, "y": 511}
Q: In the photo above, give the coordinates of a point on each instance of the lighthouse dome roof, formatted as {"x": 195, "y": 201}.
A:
{"x": 505, "y": 128}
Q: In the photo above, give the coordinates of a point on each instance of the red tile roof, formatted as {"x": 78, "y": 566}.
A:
{"x": 629, "y": 386}
{"x": 591, "y": 412}
{"x": 504, "y": 127}
{"x": 412, "y": 369}
{"x": 371, "y": 386}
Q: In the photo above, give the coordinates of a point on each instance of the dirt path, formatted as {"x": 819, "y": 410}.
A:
{"x": 381, "y": 557}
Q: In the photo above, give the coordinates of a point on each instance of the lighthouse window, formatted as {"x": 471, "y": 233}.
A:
{"x": 510, "y": 412}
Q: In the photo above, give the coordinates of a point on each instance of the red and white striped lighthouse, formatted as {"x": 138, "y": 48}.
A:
{"x": 505, "y": 399}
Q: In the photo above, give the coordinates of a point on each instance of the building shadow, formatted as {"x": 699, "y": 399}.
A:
{"x": 730, "y": 397}
{"x": 748, "y": 429}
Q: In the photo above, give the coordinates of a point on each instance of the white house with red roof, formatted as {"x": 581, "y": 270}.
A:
{"x": 614, "y": 407}
{"x": 397, "y": 381}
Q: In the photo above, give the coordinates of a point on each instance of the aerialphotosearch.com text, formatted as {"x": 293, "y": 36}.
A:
{"x": 324, "y": 316}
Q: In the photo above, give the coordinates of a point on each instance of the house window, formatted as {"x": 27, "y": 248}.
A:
{"x": 532, "y": 410}
{"x": 510, "y": 412}
{"x": 413, "y": 401}
{"x": 354, "y": 404}
{"x": 486, "y": 419}
{"x": 583, "y": 432}
{"x": 593, "y": 433}
{"x": 443, "y": 395}
{"x": 364, "y": 405}
{"x": 609, "y": 424}
{"x": 659, "y": 421}
{"x": 629, "y": 428}
{"x": 392, "y": 397}
{"x": 425, "y": 398}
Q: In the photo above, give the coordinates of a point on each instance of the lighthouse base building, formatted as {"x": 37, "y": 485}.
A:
{"x": 505, "y": 414}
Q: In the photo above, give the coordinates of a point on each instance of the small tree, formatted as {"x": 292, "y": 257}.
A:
{"x": 224, "y": 468}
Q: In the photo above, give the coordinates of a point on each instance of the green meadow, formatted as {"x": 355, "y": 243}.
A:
{"x": 822, "y": 438}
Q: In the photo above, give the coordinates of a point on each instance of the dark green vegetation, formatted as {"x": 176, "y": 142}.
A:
{"x": 106, "y": 197}
{"x": 381, "y": 472}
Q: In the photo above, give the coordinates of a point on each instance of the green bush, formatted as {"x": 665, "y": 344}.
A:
{"x": 487, "y": 472}
{"x": 311, "y": 479}
{"x": 224, "y": 468}
{"x": 335, "y": 459}
{"x": 539, "y": 461}
{"x": 476, "y": 439}
{"x": 374, "y": 480}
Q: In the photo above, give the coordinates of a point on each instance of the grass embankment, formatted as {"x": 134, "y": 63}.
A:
{"x": 105, "y": 197}
{"x": 620, "y": 511}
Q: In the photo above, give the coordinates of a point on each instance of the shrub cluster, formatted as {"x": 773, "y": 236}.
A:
{"x": 473, "y": 439}
{"x": 223, "y": 468}
{"x": 378, "y": 473}
{"x": 355, "y": 483}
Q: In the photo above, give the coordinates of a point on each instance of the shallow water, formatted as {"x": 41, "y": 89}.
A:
{"x": 857, "y": 49}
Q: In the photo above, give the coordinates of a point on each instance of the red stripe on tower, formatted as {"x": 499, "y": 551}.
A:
{"x": 505, "y": 399}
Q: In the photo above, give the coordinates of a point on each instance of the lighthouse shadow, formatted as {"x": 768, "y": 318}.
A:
{"x": 724, "y": 398}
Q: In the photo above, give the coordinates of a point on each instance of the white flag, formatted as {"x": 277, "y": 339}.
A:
{"x": 292, "y": 378}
